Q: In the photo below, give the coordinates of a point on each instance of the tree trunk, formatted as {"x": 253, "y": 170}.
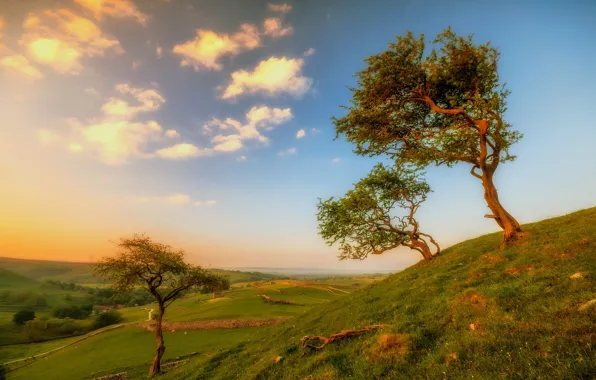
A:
{"x": 161, "y": 348}
{"x": 422, "y": 247}
{"x": 506, "y": 221}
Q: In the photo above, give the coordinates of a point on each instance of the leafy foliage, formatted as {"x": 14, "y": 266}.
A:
{"x": 154, "y": 266}
{"x": 423, "y": 108}
{"x": 366, "y": 220}
{"x": 22, "y": 316}
{"x": 106, "y": 318}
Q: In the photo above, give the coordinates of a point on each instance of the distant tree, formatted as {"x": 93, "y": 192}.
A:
{"x": 22, "y": 316}
{"x": 366, "y": 221}
{"x": 441, "y": 108}
{"x": 219, "y": 285}
{"x": 159, "y": 269}
{"x": 109, "y": 317}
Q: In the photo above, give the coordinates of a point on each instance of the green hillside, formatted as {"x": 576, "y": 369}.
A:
{"x": 9, "y": 279}
{"x": 476, "y": 311}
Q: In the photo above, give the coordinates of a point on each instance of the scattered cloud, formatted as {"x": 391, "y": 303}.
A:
{"x": 174, "y": 199}
{"x": 117, "y": 140}
{"x": 21, "y": 65}
{"x": 315, "y": 131}
{"x": 91, "y": 91}
{"x": 281, "y": 8}
{"x": 205, "y": 203}
{"x": 114, "y": 8}
{"x": 148, "y": 100}
{"x": 208, "y": 47}
{"x": 336, "y": 160}
{"x": 60, "y": 39}
{"x": 258, "y": 119}
{"x": 273, "y": 27}
{"x": 159, "y": 51}
{"x": 75, "y": 147}
{"x": 241, "y": 159}
{"x": 300, "y": 134}
{"x": 272, "y": 77}
{"x": 47, "y": 137}
{"x": 116, "y": 136}
{"x": 136, "y": 64}
{"x": 172, "y": 133}
{"x": 287, "y": 152}
{"x": 182, "y": 152}
{"x": 309, "y": 52}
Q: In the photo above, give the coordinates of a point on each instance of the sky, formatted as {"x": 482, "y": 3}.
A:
{"x": 207, "y": 124}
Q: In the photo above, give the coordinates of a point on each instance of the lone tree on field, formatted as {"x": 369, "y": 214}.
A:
{"x": 442, "y": 108}
{"x": 363, "y": 221}
{"x": 159, "y": 269}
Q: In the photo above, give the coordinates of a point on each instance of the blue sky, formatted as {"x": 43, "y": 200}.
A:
{"x": 67, "y": 194}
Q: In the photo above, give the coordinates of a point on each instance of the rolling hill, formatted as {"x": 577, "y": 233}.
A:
{"x": 81, "y": 273}
{"x": 528, "y": 311}
{"x": 9, "y": 279}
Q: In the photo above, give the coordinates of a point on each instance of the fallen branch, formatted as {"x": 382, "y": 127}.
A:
{"x": 274, "y": 300}
{"x": 335, "y": 337}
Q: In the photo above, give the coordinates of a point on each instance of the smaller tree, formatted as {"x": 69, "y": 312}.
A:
{"x": 364, "y": 221}
{"x": 217, "y": 286}
{"x": 159, "y": 269}
{"x": 22, "y": 316}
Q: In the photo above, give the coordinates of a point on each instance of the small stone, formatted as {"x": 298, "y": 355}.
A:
{"x": 587, "y": 305}
{"x": 276, "y": 359}
{"x": 578, "y": 275}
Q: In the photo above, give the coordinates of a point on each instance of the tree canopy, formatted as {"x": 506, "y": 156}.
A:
{"x": 377, "y": 215}
{"x": 440, "y": 107}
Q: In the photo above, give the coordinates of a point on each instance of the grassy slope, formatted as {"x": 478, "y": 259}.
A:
{"x": 521, "y": 301}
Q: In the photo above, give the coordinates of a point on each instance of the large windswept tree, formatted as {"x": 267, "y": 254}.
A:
{"x": 161, "y": 270}
{"x": 442, "y": 107}
{"x": 377, "y": 215}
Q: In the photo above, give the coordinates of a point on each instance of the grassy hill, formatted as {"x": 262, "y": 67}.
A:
{"x": 522, "y": 312}
{"x": 9, "y": 279}
{"x": 81, "y": 273}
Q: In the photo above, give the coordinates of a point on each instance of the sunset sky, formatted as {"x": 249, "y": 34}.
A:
{"x": 206, "y": 124}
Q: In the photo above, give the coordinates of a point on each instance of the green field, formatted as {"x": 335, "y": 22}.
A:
{"x": 130, "y": 349}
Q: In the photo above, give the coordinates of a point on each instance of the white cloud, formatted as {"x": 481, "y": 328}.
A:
{"x": 47, "y": 137}
{"x": 174, "y": 199}
{"x": 300, "y": 134}
{"x": 61, "y": 39}
{"x": 172, "y": 133}
{"x": 117, "y": 140}
{"x": 241, "y": 159}
{"x": 287, "y": 152}
{"x": 114, "y": 8}
{"x": 274, "y": 76}
{"x": 159, "y": 51}
{"x": 336, "y": 160}
{"x": 282, "y": 8}
{"x": 148, "y": 101}
{"x": 75, "y": 147}
{"x": 205, "y": 203}
{"x": 273, "y": 27}
{"x": 309, "y": 52}
{"x": 91, "y": 91}
{"x": 136, "y": 64}
{"x": 18, "y": 63}
{"x": 183, "y": 151}
{"x": 258, "y": 119}
{"x": 208, "y": 47}
{"x": 315, "y": 131}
